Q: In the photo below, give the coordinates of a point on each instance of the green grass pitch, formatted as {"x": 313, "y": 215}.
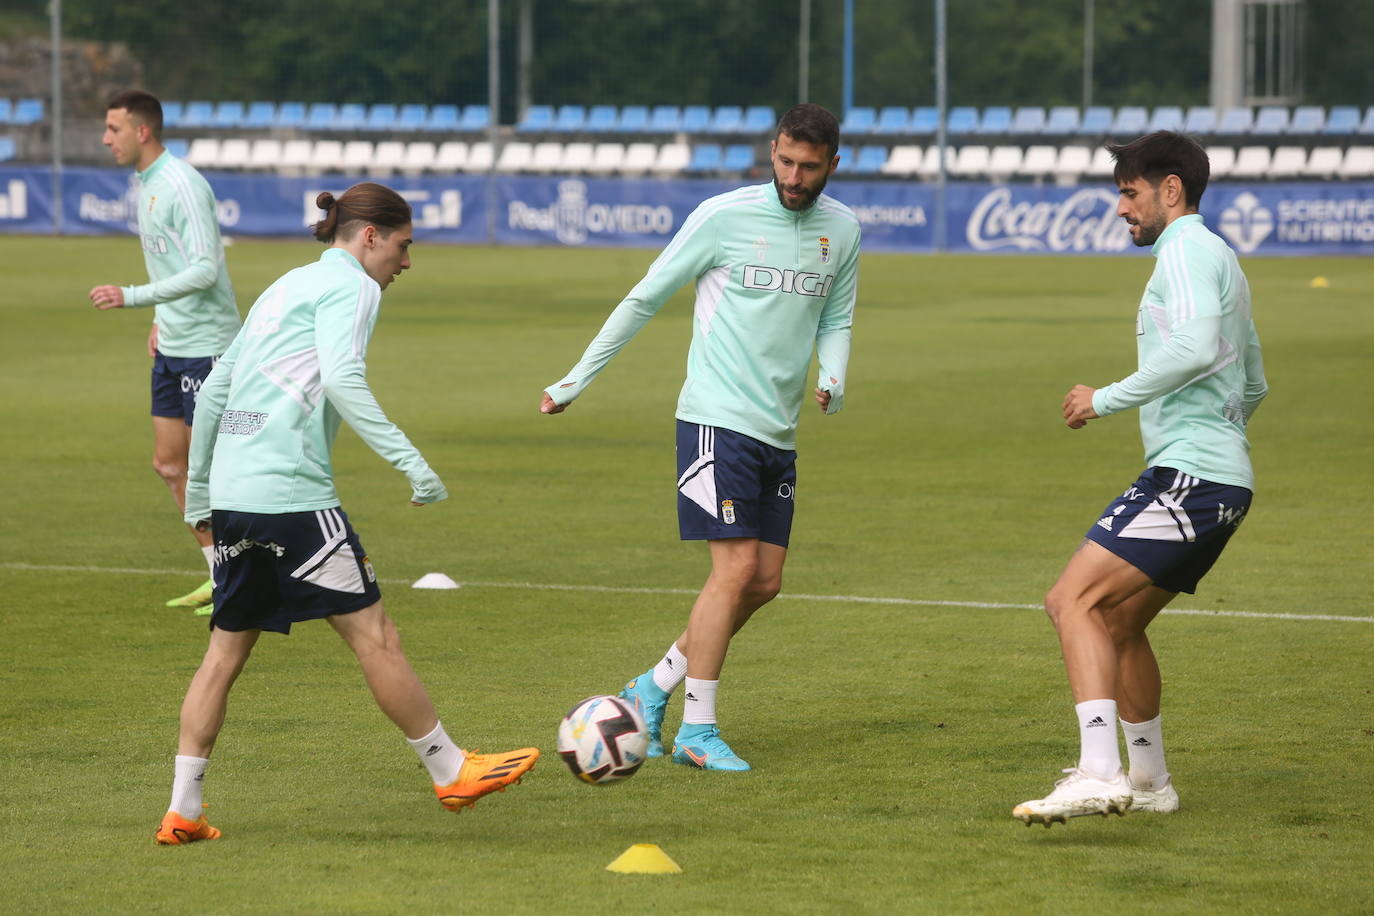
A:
{"x": 896, "y": 701}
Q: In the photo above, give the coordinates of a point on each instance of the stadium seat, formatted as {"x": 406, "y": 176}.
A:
{"x": 925, "y": 121}
{"x": 203, "y": 152}
{"x": 171, "y": 114}
{"x": 357, "y": 157}
{"x": 412, "y": 117}
{"x": 321, "y": 116}
{"x": 1130, "y": 122}
{"x": 930, "y": 165}
{"x": 8, "y": 149}
{"x": 1220, "y": 159}
{"x": 1166, "y": 117}
{"x": 1308, "y": 120}
{"x": 1029, "y": 121}
{"x": 858, "y": 120}
{"x": 290, "y": 115}
{"x": 1039, "y": 162}
{"x": 571, "y": 118}
{"x": 727, "y": 119}
{"x": 442, "y": 119}
{"x": 633, "y": 119}
{"x": 903, "y": 161}
{"x": 517, "y": 156}
{"x": 695, "y": 119}
{"x": 176, "y": 146}
{"x": 1324, "y": 162}
{"x": 7, "y": 111}
{"x": 1234, "y": 122}
{"x": 1096, "y": 121}
{"x": 962, "y": 120}
{"x": 197, "y": 115}
{"x": 759, "y": 119}
{"x": 1072, "y": 164}
{"x": 388, "y": 157}
{"x": 706, "y": 157}
{"x": 228, "y": 116}
{"x": 1004, "y": 162}
{"x": 383, "y": 118}
{"x": 869, "y": 161}
{"x": 326, "y": 156}
{"x": 639, "y": 158}
{"x": 972, "y": 161}
{"x": 893, "y": 119}
{"x": 1102, "y": 165}
{"x": 665, "y": 119}
{"x": 260, "y": 115}
{"x": 449, "y": 156}
{"x": 352, "y": 116}
{"x": 265, "y": 155}
{"x": 1062, "y": 122}
{"x": 607, "y": 158}
{"x": 1287, "y": 162}
{"x": 419, "y": 157}
{"x": 996, "y": 121}
{"x": 601, "y": 119}
{"x": 480, "y": 157}
{"x": 673, "y": 158}
{"x": 577, "y": 158}
{"x": 1366, "y": 127}
{"x": 739, "y": 157}
{"x": 475, "y": 118}
{"x": 1358, "y": 163}
{"x": 27, "y": 111}
{"x": 1251, "y": 162}
{"x": 295, "y": 156}
{"x": 234, "y": 153}
{"x": 1344, "y": 119}
{"x": 1272, "y": 121}
{"x": 1200, "y": 120}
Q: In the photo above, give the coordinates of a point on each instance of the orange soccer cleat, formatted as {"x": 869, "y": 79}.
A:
{"x": 484, "y": 773}
{"x": 176, "y": 830}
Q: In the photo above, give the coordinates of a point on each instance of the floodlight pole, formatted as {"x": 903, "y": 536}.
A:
{"x": 941, "y": 104}
{"x": 56, "y": 8}
{"x": 847, "y": 101}
{"x": 804, "y": 53}
{"x": 493, "y": 107}
{"x": 1087, "y": 53}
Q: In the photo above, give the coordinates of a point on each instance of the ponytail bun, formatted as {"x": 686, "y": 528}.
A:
{"x": 326, "y": 228}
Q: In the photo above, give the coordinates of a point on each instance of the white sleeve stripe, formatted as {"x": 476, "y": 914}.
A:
{"x": 368, "y": 296}
{"x": 181, "y": 186}
{"x": 1180, "y": 304}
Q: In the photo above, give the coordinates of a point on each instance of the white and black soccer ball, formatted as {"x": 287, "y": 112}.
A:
{"x": 603, "y": 740}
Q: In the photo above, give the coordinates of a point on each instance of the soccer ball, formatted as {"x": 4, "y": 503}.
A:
{"x": 602, "y": 740}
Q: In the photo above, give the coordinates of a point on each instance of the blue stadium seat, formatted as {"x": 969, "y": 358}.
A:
{"x": 925, "y": 120}
{"x": 1367, "y": 125}
{"x": 177, "y": 147}
{"x": 859, "y": 120}
{"x": 1271, "y": 121}
{"x": 383, "y": 117}
{"x": 197, "y": 114}
{"x": 8, "y": 150}
{"x": 696, "y": 118}
{"x": 665, "y": 119}
{"x": 412, "y": 117}
{"x": 706, "y": 157}
{"x": 601, "y": 119}
{"x": 1130, "y": 122}
{"x": 739, "y": 157}
{"x": 442, "y": 118}
{"x": 260, "y": 115}
{"x": 728, "y": 119}
{"x": 1235, "y": 121}
{"x": 291, "y": 114}
{"x": 1307, "y": 120}
{"x": 27, "y": 111}
{"x": 893, "y": 119}
{"x": 759, "y": 119}
{"x": 870, "y": 161}
{"x": 475, "y": 118}
{"x": 996, "y": 120}
{"x": 1201, "y": 120}
{"x": 352, "y": 116}
{"x": 321, "y": 116}
{"x": 847, "y": 156}
{"x": 1166, "y": 117}
{"x": 962, "y": 120}
{"x": 171, "y": 114}
{"x": 1097, "y": 120}
{"x": 6, "y": 110}
{"x": 1344, "y": 119}
{"x": 1029, "y": 121}
{"x": 537, "y": 118}
{"x": 228, "y": 115}
{"x": 1063, "y": 121}
{"x": 634, "y": 119}
{"x": 570, "y": 118}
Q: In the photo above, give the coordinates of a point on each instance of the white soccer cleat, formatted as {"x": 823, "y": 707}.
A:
{"x": 1163, "y": 800}
{"x": 1075, "y": 795}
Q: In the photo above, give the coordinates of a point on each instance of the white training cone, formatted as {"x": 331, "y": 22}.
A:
{"x": 435, "y": 580}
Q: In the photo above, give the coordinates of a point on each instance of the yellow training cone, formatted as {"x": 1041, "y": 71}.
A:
{"x": 644, "y": 859}
{"x": 1320, "y": 283}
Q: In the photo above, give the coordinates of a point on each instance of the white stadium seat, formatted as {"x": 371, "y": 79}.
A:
{"x": 1039, "y": 161}
{"x": 930, "y": 165}
{"x": 451, "y": 156}
{"x": 1220, "y": 161}
{"x": 266, "y": 154}
{"x": 1325, "y": 162}
{"x": 388, "y": 157}
{"x": 203, "y": 152}
{"x": 1102, "y": 165}
{"x": 1359, "y": 162}
{"x": 515, "y": 157}
{"x": 479, "y": 157}
{"x": 326, "y": 156}
{"x": 673, "y": 157}
{"x": 639, "y": 158}
{"x": 577, "y": 157}
{"x": 1288, "y": 162}
{"x": 1072, "y": 164}
{"x": 547, "y": 157}
{"x": 295, "y": 156}
{"x": 234, "y": 153}
{"x": 1251, "y": 162}
{"x": 1004, "y": 162}
{"x": 606, "y": 158}
{"x": 904, "y": 161}
{"x": 972, "y": 160}
{"x": 357, "y": 156}
{"x": 419, "y": 157}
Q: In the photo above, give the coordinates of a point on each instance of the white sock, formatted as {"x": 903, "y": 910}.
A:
{"x": 186, "y": 785}
{"x": 1100, "y": 755}
{"x": 671, "y": 669}
{"x": 439, "y": 754}
{"x": 1145, "y": 750}
{"x": 209, "y": 558}
{"x": 699, "y": 702}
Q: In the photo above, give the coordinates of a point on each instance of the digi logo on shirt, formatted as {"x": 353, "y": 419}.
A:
{"x": 788, "y": 281}
{"x": 154, "y": 243}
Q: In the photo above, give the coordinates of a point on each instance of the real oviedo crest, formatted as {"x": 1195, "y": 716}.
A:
{"x": 825, "y": 250}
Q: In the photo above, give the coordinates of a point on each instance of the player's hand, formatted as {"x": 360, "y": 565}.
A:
{"x": 823, "y": 399}
{"x": 1078, "y": 406}
{"x": 547, "y": 405}
{"x": 107, "y": 297}
{"x": 152, "y": 341}
{"x": 203, "y": 525}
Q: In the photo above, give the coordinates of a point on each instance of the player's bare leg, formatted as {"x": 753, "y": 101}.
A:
{"x": 1138, "y": 699}
{"x": 373, "y": 637}
{"x": 171, "y": 445}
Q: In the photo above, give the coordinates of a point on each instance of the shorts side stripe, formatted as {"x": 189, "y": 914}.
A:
{"x": 331, "y": 526}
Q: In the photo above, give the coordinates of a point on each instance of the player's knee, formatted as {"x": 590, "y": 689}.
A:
{"x": 169, "y": 471}
{"x": 765, "y": 589}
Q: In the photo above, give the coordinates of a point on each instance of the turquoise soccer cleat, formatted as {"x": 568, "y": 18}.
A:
{"x": 650, "y": 702}
{"x": 701, "y": 746}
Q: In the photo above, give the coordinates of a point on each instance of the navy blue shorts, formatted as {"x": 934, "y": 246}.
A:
{"x": 1172, "y": 526}
{"x": 176, "y": 383}
{"x": 730, "y": 485}
{"x": 275, "y": 570}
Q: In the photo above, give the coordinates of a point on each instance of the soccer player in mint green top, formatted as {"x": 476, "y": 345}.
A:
{"x": 195, "y": 316}
{"x": 1199, "y": 380}
{"x": 261, "y": 475}
{"x": 775, "y": 268}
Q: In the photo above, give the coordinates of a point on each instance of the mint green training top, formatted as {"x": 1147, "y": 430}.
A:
{"x": 268, "y": 413}
{"x": 771, "y": 285}
{"x": 1201, "y": 375}
{"x": 195, "y": 314}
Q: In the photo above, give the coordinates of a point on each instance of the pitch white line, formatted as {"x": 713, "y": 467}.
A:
{"x": 630, "y": 590}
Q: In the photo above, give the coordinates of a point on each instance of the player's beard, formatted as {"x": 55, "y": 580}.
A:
{"x": 1150, "y": 230}
{"x": 809, "y": 194}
